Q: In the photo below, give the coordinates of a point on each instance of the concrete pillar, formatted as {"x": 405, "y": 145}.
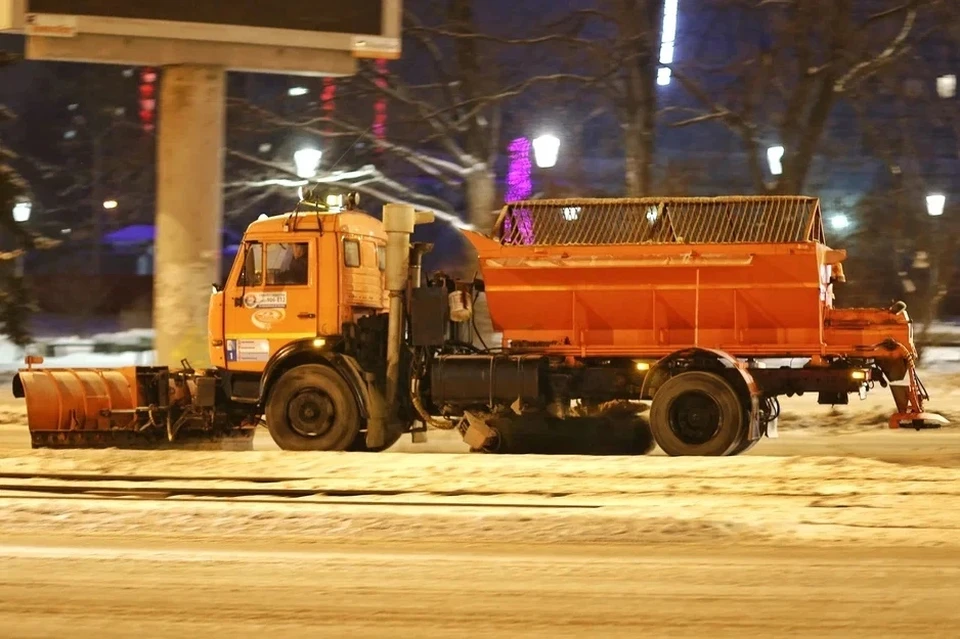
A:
{"x": 190, "y": 153}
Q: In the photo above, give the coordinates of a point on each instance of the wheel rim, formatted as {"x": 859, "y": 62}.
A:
{"x": 311, "y": 413}
{"x": 695, "y": 418}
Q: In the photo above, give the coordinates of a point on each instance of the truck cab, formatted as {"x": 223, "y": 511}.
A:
{"x": 299, "y": 276}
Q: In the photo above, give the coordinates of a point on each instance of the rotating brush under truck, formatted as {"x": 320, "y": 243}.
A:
{"x": 603, "y": 306}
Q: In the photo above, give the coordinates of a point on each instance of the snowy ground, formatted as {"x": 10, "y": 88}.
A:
{"x": 839, "y": 529}
{"x": 763, "y": 500}
{"x": 833, "y": 477}
{"x": 124, "y": 587}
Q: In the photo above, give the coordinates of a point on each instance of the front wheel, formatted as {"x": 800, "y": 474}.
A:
{"x": 697, "y": 414}
{"x": 311, "y": 408}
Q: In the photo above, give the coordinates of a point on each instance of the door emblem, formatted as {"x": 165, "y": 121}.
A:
{"x": 265, "y": 318}
{"x": 265, "y": 300}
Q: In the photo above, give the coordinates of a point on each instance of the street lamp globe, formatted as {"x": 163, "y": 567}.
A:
{"x": 936, "y": 202}
{"x": 775, "y": 159}
{"x": 546, "y": 150}
{"x": 840, "y": 221}
{"x": 21, "y": 212}
{"x": 307, "y": 161}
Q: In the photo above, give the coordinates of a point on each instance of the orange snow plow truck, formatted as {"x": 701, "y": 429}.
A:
{"x": 328, "y": 331}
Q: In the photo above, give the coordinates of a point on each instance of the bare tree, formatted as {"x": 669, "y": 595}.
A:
{"x": 910, "y": 121}
{"x": 611, "y": 51}
{"x": 87, "y": 146}
{"x": 77, "y": 144}
{"x": 445, "y": 101}
{"x": 15, "y": 303}
{"x": 778, "y": 76}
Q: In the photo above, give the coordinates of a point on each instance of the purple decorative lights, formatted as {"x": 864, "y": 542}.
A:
{"x": 519, "y": 187}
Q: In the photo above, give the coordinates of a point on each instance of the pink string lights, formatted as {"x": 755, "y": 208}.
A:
{"x": 519, "y": 187}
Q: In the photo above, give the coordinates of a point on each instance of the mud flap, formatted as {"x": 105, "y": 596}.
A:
{"x": 753, "y": 433}
{"x": 773, "y": 428}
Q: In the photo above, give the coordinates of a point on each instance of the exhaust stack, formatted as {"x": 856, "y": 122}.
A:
{"x": 399, "y": 221}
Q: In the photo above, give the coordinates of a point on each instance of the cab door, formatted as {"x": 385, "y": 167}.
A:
{"x": 273, "y": 301}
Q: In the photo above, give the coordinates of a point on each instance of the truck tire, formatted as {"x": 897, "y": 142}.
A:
{"x": 697, "y": 414}
{"x": 311, "y": 408}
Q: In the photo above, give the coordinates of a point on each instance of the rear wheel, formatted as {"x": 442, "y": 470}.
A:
{"x": 311, "y": 408}
{"x": 697, "y": 414}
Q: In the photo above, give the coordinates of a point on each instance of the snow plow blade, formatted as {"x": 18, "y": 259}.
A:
{"x": 110, "y": 408}
{"x": 65, "y": 405}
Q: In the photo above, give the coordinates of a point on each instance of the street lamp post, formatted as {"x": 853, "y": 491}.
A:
{"x": 936, "y": 202}
{"x": 21, "y": 215}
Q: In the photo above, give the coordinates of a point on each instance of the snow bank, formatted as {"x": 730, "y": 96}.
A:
{"x": 75, "y": 351}
{"x": 88, "y": 360}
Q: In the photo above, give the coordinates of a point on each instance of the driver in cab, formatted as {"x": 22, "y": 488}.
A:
{"x": 295, "y": 270}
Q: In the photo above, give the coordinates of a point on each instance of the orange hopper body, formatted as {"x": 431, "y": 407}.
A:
{"x": 750, "y": 276}
{"x": 712, "y": 285}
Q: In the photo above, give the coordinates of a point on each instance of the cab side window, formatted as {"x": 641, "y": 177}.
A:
{"x": 351, "y": 253}
{"x": 288, "y": 264}
{"x": 252, "y": 273}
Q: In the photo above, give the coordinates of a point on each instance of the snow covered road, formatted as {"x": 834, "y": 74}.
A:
{"x": 750, "y": 499}
{"x": 69, "y": 587}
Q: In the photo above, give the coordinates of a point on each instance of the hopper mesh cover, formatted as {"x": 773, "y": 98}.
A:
{"x": 717, "y": 220}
